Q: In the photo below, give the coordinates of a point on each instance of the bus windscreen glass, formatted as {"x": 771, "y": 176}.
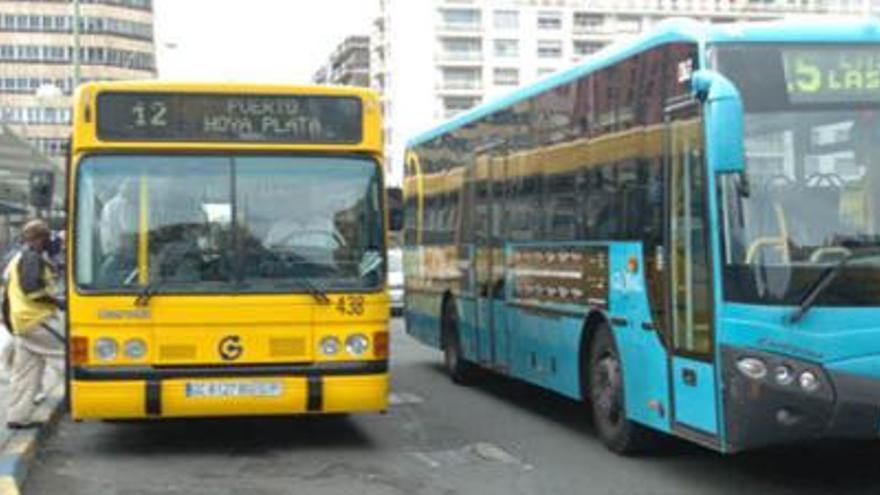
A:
{"x": 177, "y": 117}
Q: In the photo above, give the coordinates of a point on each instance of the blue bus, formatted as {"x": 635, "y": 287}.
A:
{"x": 681, "y": 231}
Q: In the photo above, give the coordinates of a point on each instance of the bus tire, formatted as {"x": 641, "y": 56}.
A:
{"x": 619, "y": 434}
{"x": 458, "y": 369}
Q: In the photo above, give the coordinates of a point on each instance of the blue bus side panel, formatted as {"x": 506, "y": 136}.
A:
{"x": 467, "y": 327}
{"x": 695, "y": 404}
{"x": 484, "y": 313}
{"x": 502, "y": 342}
{"x": 423, "y": 317}
{"x": 545, "y": 349}
{"x": 643, "y": 357}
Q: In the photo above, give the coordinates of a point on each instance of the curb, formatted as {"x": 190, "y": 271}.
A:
{"x": 20, "y": 449}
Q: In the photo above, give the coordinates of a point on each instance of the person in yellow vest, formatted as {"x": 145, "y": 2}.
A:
{"x": 36, "y": 315}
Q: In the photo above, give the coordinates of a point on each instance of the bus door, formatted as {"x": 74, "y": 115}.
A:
{"x": 488, "y": 257}
{"x": 690, "y": 331}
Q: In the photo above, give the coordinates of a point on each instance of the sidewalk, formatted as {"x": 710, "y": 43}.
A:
{"x": 18, "y": 448}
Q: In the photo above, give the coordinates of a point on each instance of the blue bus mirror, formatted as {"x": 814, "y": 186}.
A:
{"x": 724, "y": 118}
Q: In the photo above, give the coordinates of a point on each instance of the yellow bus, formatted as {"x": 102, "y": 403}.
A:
{"x": 227, "y": 251}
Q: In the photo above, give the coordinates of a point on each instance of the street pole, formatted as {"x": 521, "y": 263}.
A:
{"x": 76, "y": 45}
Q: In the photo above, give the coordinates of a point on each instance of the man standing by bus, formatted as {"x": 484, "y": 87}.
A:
{"x": 37, "y": 322}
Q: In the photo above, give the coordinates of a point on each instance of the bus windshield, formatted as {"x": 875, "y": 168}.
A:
{"x": 811, "y": 190}
{"x": 208, "y": 224}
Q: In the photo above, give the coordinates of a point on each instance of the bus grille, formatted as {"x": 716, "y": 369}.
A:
{"x": 287, "y": 347}
{"x": 177, "y": 352}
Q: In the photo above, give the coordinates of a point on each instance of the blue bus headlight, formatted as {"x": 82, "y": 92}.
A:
{"x": 357, "y": 344}
{"x": 809, "y": 381}
{"x": 106, "y": 349}
{"x": 753, "y": 368}
{"x": 783, "y": 375}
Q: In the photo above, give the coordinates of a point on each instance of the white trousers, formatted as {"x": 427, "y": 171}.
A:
{"x": 35, "y": 350}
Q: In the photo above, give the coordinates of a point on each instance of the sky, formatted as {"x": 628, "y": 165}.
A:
{"x": 282, "y": 41}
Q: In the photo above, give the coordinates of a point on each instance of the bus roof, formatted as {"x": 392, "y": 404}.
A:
{"x": 670, "y": 31}
{"x": 221, "y": 87}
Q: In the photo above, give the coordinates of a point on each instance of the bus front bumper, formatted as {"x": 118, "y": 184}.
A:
{"x": 763, "y": 412}
{"x": 148, "y": 392}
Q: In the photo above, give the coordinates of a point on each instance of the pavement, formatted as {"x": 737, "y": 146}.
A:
{"x": 18, "y": 449}
{"x": 499, "y": 436}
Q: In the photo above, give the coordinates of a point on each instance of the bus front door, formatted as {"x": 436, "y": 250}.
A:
{"x": 690, "y": 332}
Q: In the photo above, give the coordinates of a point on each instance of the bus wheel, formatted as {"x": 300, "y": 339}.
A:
{"x": 457, "y": 368}
{"x": 606, "y": 383}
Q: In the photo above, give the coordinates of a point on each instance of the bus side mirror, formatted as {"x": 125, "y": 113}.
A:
{"x": 42, "y": 185}
{"x": 724, "y": 118}
{"x": 395, "y": 208}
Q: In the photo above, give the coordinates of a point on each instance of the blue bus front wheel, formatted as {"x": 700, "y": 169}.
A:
{"x": 617, "y": 432}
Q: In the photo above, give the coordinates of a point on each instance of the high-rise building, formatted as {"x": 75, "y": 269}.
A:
{"x": 437, "y": 58}
{"x": 348, "y": 65}
{"x": 37, "y": 62}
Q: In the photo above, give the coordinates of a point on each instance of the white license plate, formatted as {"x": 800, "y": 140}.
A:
{"x": 233, "y": 389}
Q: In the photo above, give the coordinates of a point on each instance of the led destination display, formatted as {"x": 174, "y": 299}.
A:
{"x": 287, "y": 119}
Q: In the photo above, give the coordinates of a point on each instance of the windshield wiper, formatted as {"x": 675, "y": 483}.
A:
{"x": 145, "y": 294}
{"x": 824, "y": 281}
{"x": 313, "y": 288}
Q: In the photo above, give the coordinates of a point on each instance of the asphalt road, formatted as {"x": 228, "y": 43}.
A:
{"x": 501, "y": 437}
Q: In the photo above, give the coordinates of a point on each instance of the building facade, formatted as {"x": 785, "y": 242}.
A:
{"x": 37, "y": 62}
{"x": 474, "y": 50}
{"x": 348, "y": 65}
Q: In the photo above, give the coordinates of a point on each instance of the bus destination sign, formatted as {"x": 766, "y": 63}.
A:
{"x": 838, "y": 75}
{"x": 181, "y": 117}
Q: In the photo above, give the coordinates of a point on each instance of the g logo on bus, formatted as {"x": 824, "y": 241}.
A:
{"x": 230, "y": 348}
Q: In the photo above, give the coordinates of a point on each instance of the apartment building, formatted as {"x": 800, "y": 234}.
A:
{"x": 348, "y": 65}
{"x": 36, "y": 59}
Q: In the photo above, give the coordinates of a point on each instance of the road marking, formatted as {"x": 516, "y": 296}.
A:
{"x": 404, "y": 399}
{"x": 481, "y": 452}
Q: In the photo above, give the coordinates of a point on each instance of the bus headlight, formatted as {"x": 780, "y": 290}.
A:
{"x": 809, "y": 381}
{"x": 357, "y": 344}
{"x": 135, "y": 348}
{"x": 783, "y": 374}
{"x": 106, "y": 349}
{"x": 753, "y": 368}
{"x": 329, "y": 346}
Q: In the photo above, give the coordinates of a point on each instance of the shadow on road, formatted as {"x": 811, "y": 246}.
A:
{"x": 232, "y": 436}
{"x": 813, "y": 467}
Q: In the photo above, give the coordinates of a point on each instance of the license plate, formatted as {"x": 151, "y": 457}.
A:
{"x": 233, "y": 389}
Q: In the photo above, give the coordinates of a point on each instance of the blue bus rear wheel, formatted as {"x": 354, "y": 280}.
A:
{"x": 458, "y": 369}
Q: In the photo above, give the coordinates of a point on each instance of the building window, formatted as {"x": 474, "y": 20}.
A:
{"x": 545, "y": 71}
{"x": 506, "y": 77}
{"x": 506, "y": 48}
{"x": 462, "y": 78}
{"x": 453, "y": 105}
{"x": 549, "y": 49}
{"x": 460, "y": 19}
{"x": 584, "y": 48}
{"x": 629, "y": 24}
{"x": 587, "y": 22}
{"x": 506, "y": 19}
{"x": 549, "y": 20}
{"x": 462, "y": 48}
